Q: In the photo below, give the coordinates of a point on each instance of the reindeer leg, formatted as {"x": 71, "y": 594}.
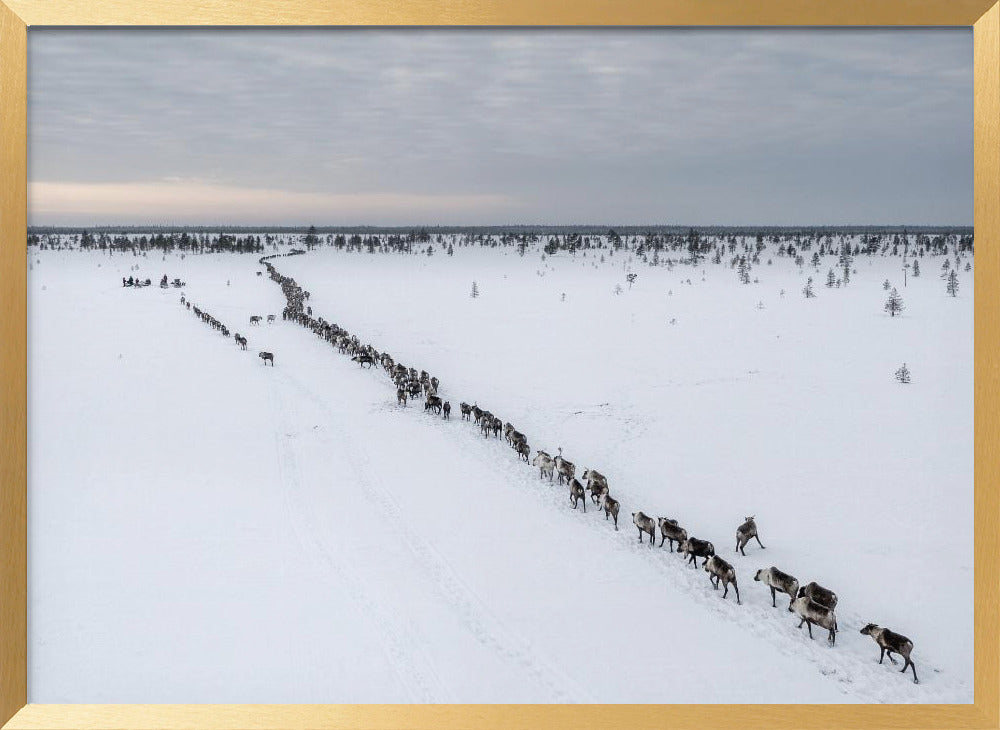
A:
{"x": 737, "y": 594}
{"x": 889, "y": 652}
{"x": 882, "y": 656}
{"x": 773, "y": 603}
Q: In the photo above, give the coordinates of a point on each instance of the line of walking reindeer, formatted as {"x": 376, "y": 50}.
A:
{"x": 812, "y": 603}
{"x": 215, "y": 324}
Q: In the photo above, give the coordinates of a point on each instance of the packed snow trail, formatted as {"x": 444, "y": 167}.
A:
{"x": 484, "y": 624}
{"x": 408, "y": 659}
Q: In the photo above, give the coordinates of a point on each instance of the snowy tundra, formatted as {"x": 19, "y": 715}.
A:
{"x": 206, "y": 528}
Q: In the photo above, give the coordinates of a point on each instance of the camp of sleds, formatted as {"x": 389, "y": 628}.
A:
{"x": 137, "y": 283}
{"x": 811, "y": 603}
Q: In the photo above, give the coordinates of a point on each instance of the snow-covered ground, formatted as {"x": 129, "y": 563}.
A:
{"x": 204, "y": 528}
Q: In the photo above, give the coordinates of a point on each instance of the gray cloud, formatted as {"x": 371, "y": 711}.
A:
{"x": 565, "y": 125}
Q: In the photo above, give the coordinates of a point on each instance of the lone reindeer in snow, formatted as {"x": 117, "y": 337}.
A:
{"x": 565, "y": 470}
{"x": 645, "y": 525}
{"x": 816, "y": 613}
{"x": 693, "y": 548}
{"x": 611, "y": 506}
{"x": 576, "y": 494}
{"x": 672, "y": 532}
{"x": 777, "y": 580}
{"x": 545, "y": 464}
{"x": 889, "y": 642}
{"x": 719, "y": 571}
{"x": 744, "y": 532}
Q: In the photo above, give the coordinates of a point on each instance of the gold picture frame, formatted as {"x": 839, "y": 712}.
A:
{"x": 15, "y": 18}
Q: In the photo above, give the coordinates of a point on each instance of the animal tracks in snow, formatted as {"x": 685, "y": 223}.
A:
{"x": 483, "y": 623}
{"x": 408, "y": 658}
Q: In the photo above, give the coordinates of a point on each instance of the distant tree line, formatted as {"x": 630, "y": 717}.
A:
{"x": 166, "y": 242}
{"x": 654, "y": 247}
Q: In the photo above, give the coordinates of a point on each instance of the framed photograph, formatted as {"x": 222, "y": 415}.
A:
{"x": 499, "y": 365}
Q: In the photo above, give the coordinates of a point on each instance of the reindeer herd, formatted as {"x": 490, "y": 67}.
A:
{"x": 812, "y": 603}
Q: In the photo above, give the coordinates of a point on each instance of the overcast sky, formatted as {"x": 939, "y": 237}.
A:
{"x": 449, "y": 126}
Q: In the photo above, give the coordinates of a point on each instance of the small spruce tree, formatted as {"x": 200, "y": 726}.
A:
{"x": 311, "y": 239}
{"x": 475, "y": 290}
{"x": 744, "y": 270}
{"x": 886, "y": 285}
{"x": 831, "y": 279}
{"x": 894, "y": 303}
{"x": 903, "y": 374}
{"x": 952, "y": 286}
{"x": 845, "y": 262}
{"x": 807, "y": 290}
